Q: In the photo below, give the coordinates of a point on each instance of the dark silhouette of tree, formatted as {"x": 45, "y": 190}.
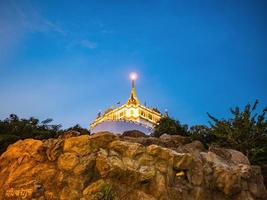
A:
{"x": 245, "y": 131}
{"x": 13, "y": 128}
{"x": 169, "y": 126}
{"x": 78, "y": 128}
{"x": 201, "y": 133}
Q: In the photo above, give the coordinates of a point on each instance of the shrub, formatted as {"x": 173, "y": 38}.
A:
{"x": 106, "y": 193}
{"x": 169, "y": 126}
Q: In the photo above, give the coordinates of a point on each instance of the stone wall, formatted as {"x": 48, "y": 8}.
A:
{"x": 144, "y": 168}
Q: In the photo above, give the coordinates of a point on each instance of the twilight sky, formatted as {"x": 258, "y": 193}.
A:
{"x": 68, "y": 59}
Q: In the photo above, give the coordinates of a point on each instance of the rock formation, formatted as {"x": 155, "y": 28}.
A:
{"x": 106, "y": 166}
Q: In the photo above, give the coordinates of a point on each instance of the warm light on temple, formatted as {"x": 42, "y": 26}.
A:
{"x": 133, "y": 76}
{"x": 132, "y": 111}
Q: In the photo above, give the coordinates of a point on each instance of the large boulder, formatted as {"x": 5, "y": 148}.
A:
{"x": 174, "y": 140}
{"x": 134, "y": 133}
{"x": 105, "y": 166}
{"x": 230, "y": 154}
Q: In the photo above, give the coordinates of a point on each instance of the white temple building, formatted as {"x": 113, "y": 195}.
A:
{"x": 130, "y": 116}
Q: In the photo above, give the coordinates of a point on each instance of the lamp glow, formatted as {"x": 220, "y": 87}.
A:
{"x": 133, "y": 76}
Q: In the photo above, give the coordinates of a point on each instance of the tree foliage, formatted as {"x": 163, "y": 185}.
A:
{"x": 13, "y": 128}
{"x": 201, "y": 133}
{"x": 245, "y": 131}
{"x": 169, "y": 126}
{"x": 78, "y": 128}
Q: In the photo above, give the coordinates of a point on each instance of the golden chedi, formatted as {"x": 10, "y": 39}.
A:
{"x": 130, "y": 116}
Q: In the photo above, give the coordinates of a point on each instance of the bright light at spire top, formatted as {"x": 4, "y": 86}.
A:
{"x": 133, "y": 76}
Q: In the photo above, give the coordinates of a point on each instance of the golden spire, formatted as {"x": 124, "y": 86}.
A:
{"x": 133, "y": 99}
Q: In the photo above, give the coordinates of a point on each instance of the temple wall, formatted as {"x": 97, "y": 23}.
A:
{"x": 121, "y": 126}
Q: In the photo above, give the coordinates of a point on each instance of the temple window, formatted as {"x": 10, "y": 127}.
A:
{"x": 142, "y": 113}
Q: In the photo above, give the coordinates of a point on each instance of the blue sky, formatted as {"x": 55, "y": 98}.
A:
{"x": 68, "y": 59}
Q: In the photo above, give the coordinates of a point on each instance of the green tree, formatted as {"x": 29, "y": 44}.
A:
{"x": 245, "y": 131}
{"x": 169, "y": 126}
{"x": 78, "y": 128}
{"x": 13, "y": 128}
{"x": 201, "y": 133}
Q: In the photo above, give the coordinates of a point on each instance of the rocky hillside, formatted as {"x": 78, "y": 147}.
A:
{"x": 105, "y": 166}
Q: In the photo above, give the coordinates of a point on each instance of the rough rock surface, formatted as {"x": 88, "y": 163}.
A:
{"x": 104, "y": 165}
{"x": 134, "y": 133}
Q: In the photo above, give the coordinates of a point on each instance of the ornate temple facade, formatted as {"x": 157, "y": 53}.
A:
{"x": 132, "y": 112}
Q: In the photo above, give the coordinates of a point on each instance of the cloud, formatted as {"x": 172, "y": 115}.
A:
{"x": 45, "y": 26}
{"x": 89, "y": 44}
{"x": 85, "y": 43}
{"x": 17, "y": 21}
{"x": 32, "y": 20}
{"x": 107, "y": 31}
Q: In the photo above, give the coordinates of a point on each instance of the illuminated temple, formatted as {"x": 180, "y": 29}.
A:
{"x": 130, "y": 116}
